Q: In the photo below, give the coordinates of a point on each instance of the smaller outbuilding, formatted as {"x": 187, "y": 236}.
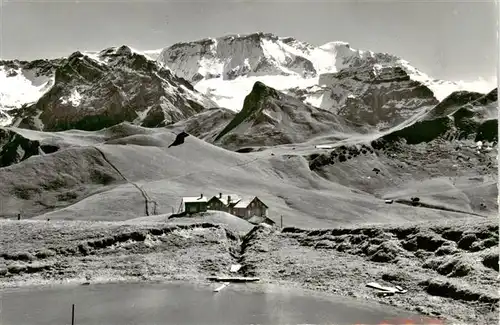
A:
{"x": 194, "y": 204}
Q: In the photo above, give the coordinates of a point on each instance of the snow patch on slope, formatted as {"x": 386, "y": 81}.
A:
{"x": 103, "y": 56}
{"x": 141, "y": 116}
{"x": 5, "y": 119}
{"x": 95, "y": 56}
{"x": 37, "y": 121}
{"x": 325, "y": 57}
{"x": 231, "y": 94}
{"x": 75, "y": 98}
{"x": 315, "y": 99}
{"x": 152, "y": 54}
{"x": 20, "y": 86}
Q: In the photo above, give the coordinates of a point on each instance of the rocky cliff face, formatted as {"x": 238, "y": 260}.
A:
{"x": 381, "y": 96}
{"x": 94, "y": 91}
{"x": 451, "y": 103}
{"x": 263, "y": 54}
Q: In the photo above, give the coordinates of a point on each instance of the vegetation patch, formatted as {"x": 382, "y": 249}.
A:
{"x": 436, "y": 287}
{"x": 491, "y": 260}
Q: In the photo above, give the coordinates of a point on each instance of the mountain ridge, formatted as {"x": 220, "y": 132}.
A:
{"x": 226, "y": 67}
{"x": 315, "y": 74}
{"x": 91, "y": 92}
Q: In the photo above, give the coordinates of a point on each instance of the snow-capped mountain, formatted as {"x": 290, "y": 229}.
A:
{"x": 94, "y": 90}
{"x": 261, "y": 54}
{"x": 226, "y": 68}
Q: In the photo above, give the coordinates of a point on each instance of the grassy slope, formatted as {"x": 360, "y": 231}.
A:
{"x": 284, "y": 182}
{"x": 205, "y": 125}
{"x": 437, "y": 173}
{"x": 121, "y": 170}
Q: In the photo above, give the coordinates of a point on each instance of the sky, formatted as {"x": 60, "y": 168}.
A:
{"x": 452, "y": 40}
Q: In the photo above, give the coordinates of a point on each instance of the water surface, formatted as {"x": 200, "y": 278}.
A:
{"x": 127, "y": 304}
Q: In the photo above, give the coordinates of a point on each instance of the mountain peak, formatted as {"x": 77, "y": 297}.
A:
{"x": 253, "y": 106}
{"x": 76, "y": 54}
{"x": 261, "y": 88}
{"x": 271, "y": 116}
{"x": 117, "y": 50}
{"x": 335, "y": 45}
{"x": 257, "y": 36}
{"x": 213, "y": 65}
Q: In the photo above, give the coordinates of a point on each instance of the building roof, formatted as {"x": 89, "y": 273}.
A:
{"x": 234, "y": 198}
{"x": 244, "y": 202}
{"x": 237, "y": 201}
{"x": 194, "y": 199}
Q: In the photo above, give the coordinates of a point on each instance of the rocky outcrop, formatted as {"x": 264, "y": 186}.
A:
{"x": 451, "y": 103}
{"x": 15, "y": 148}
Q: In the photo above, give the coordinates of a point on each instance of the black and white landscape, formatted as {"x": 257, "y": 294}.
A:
{"x": 372, "y": 171}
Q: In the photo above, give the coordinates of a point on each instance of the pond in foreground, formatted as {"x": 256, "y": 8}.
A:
{"x": 132, "y": 303}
